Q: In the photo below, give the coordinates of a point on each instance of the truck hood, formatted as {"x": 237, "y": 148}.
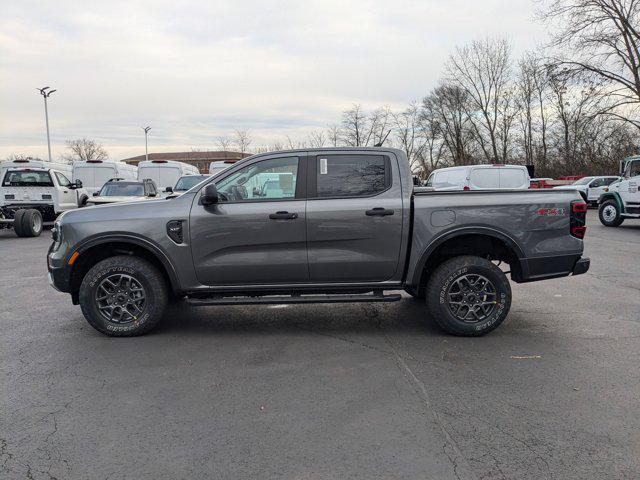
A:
{"x": 571, "y": 187}
{"x": 109, "y": 215}
{"x": 115, "y": 199}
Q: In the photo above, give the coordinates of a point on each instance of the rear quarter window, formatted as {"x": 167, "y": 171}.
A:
{"x": 352, "y": 175}
{"x": 485, "y": 178}
{"x": 512, "y": 178}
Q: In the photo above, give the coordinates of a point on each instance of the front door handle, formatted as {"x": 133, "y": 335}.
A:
{"x": 283, "y": 216}
{"x": 379, "y": 212}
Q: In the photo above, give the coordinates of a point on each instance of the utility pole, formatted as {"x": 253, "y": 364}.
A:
{"x": 46, "y": 94}
{"x": 146, "y": 145}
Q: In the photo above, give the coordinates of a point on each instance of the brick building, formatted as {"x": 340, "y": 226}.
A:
{"x": 199, "y": 159}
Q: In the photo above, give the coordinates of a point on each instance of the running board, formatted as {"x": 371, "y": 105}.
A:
{"x": 280, "y": 299}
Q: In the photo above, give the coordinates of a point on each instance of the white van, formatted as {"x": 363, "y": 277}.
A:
{"x": 165, "y": 173}
{"x": 95, "y": 173}
{"x": 33, "y": 193}
{"x": 480, "y": 177}
{"x": 219, "y": 166}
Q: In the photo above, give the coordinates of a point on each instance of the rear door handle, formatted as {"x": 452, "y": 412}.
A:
{"x": 379, "y": 212}
{"x": 283, "y": 216}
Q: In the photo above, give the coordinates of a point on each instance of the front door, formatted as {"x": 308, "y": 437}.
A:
{"x": 66, "y": 195}
{"x": 354, "y": 218}
{"x": 256, "y": 234}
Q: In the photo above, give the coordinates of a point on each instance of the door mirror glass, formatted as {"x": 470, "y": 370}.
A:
{"x": 168, "y": 190}
{"x": 209, "y": 194}
{"x": 96, "y": 194}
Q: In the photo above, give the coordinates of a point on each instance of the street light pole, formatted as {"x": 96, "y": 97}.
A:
{"x": 46, "y": 94}
{"x": 146, "y": 147}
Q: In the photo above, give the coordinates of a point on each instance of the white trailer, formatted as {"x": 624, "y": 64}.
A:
{"x": 33, "y": 193}
{"x": 95, "y": 173}
{"x": 165, "y": 173}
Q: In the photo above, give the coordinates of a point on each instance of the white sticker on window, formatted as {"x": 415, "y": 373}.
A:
{"x": 323, "y": 166}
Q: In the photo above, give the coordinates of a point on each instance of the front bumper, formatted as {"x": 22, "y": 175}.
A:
{"x": 59, "y": 272}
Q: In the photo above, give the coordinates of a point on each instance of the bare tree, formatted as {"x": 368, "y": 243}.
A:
{"x": 84, "y": 149}
{"x": 446, "y": 111}
{"x": 482, "y": 69}
{"x": 242, "y": 140}
{"x": 224, "y": 142}
{"x": 334, "y": 134}
{"x": 601, "y": 38}
{"x": 408, "y": 133}
{"x": 354, "y": 126}
{"x": 316, "y": 139}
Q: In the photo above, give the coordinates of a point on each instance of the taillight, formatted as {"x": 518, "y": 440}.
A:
{"x": 578, "y": 219}
{"x": 465, "y": 188}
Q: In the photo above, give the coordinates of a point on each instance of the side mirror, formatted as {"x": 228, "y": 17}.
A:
{"x": 209, "y": 195}
{"x": 96, "y": 194}
{"x": 78, "y": 183}
{"x": 169, "y": 190}
{"x": 152, "y": 194}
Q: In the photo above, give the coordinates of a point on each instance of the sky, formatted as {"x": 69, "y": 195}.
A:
{"x": 195, "y": 71}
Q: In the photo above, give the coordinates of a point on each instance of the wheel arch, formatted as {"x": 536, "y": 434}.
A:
{"x": 612, "y": 196}
{"x": 479, "y": 241}
{"x": 94, "y": 250}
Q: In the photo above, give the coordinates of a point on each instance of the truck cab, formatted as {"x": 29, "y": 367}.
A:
{"x": 621, "y": 199}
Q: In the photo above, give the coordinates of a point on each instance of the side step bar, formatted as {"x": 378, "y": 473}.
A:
{"x": 280, "y": 299}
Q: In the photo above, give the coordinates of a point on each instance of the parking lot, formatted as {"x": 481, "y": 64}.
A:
{"x": 327, "y": 391}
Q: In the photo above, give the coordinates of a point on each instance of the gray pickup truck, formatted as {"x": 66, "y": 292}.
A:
{"x": 316, "y": 226}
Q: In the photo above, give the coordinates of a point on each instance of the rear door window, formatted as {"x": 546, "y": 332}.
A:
{"x": 485, "y": 178}
{"x": 352, "y": 175}
{"x": 512, "y": 178}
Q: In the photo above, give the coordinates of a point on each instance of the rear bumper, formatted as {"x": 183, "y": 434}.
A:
{"x": 581, "y": 266}
{"x": 544, "y": 268}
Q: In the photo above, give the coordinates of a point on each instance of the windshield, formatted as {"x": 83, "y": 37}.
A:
{"x": 185, "y": 183}
{"x": 583, "y": 181}
{"x": 122, "y": 190}
{"x": 27, "y": 178}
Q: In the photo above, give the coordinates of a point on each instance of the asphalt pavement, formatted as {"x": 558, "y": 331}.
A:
{"x": 358, "y": 391}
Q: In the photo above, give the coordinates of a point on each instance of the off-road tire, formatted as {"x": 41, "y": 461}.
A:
{"x": 438, "y": 288}
{"x": 31, "y": 223}
{"x": 143, "y": 272}
{"x": 17, "y": 222}
{"x": 617, "y": 220}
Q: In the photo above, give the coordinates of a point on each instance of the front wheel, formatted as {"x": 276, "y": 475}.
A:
{"x": 468, "y": 296}
{"x": 609, "y": 214}
{"x": 123, "y": 296}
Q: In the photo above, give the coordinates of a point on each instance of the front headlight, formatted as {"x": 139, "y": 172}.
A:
{"x": 56, "y": 235}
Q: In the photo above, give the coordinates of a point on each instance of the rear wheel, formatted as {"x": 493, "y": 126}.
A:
{"x": 123, "y": 296}
{"x": 17, "y": 222}
{"x": 609, "y": 214}
{"x": 31, "y": 223}
{"x": 468, "y": 296}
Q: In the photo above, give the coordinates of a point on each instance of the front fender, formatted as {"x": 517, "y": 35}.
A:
{"x": 612, "y": 196}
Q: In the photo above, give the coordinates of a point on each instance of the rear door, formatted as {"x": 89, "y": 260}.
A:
{"x": 354, "y": 217}
{"x": 253, "y": 236}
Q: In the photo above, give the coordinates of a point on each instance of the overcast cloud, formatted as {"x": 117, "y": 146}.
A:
{"x": 197, "y": 70}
